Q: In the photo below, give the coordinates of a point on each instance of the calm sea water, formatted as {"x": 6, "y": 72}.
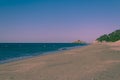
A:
{"x": 11, "y": 51}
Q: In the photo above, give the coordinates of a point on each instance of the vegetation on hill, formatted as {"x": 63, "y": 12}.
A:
{"x": 112, "y": 37}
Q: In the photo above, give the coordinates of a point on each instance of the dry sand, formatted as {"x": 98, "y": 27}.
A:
{"x": 114, "y": 45}
{"x": 94, "y": 62}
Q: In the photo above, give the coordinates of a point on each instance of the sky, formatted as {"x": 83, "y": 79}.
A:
{"x": 57, "y": 20}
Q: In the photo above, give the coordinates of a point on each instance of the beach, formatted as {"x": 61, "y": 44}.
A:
{"x": 92, "y": 62}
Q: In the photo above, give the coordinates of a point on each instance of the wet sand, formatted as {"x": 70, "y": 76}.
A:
{"x": 93, "y": 62}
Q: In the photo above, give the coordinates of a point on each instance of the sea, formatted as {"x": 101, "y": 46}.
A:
{"x": 16, "y": 51}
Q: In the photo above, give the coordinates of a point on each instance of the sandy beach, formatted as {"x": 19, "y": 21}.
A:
{"x": 93, "y": 62}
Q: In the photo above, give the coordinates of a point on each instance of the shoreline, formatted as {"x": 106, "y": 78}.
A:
{"x": 43, "y": 54}
{"x": 92, "y": 62}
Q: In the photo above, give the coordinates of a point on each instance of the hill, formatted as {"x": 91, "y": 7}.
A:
{"x": 112, "y": 37}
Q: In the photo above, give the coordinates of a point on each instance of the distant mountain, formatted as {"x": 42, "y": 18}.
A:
{"x": 112, "y": 37}
{"x": 78, "y": 41}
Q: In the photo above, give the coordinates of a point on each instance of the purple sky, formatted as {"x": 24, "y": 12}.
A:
{"x": 57, "y": 20}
